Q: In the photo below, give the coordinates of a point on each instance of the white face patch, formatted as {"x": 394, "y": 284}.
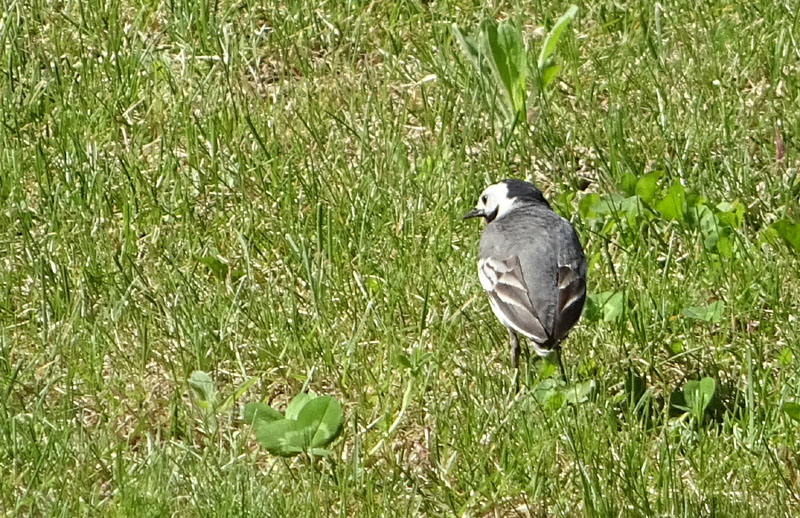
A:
{"x": 495, "y": 201}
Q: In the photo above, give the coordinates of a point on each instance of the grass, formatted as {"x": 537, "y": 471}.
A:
{"x": 275, "y": 191}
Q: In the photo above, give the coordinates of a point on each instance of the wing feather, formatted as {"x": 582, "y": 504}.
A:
{"x": 571, "y": 296}
{"x": 508, "y": 296}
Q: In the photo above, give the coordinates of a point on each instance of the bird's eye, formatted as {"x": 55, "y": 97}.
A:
{"x": 484, "y": 199}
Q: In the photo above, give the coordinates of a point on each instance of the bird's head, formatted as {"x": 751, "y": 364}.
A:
{"x": 498, "y": 199}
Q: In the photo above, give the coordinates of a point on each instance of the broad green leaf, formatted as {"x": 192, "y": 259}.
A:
{"x": 563, "y": 202}
{"x": 677, "y": 402}
{"x": 628, "y": 184}
{"x": 555, "y": 402}
{"x": 703, "y": 216}
{"x": 257, "y": 411}
{"x": 676, "y": 347}
{"x": 717, "y": 237}
{"x": 284, "y": 437}
{"x": 586, "y": 205}
{"x": 593, "y": 308}
{"x": 547, "y": 394}
{"x": 673, "y": 206}
{"x": 724, "y": 243}
{"x": 786, "y": 356}
{"x": 731, "y": 214}
{"x": 296, "y": 404}
{"x": 792, "y": 410}
{"x": 613, "y": 307}
{"x": 551, "y": 40}
{"x": 549, "y": 368}
{"x": 711, "y": 313}
{"x": 505, "y": 51}
{"x": 322, "y": 419}
{"x": 710, "y": 241}
{"x": 616, "y": 203}
{"x": 698, "y": 395}
{"x": 647, "y": 186}
{"x": 510, "y": 37}
{"x": 579, "y": 393}
{"x": 790, "y": 232}
{"x": 609, "y": 203}
{"x": 549, "y": 73}
{"x": 606, "y": 305}
{"x": 217, "y": 265}
{"x": 203, "y": 390}
{"x": 707, "y": 387}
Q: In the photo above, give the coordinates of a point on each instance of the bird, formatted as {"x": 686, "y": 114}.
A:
{"x": 531, "y": 265}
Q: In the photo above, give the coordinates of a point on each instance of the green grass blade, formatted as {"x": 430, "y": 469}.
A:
{"x": 551, "y": 40}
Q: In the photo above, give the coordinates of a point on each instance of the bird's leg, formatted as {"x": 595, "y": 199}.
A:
{"x": 561, "y": 365}
{"x": 515, "y": 349}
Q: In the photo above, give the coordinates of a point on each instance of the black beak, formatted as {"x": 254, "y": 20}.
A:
{"x": 474, "y": 213}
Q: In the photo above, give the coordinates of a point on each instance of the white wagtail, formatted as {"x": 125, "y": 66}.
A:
{"x": 531, "y": 265}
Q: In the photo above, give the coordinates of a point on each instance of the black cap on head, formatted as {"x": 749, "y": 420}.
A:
{"x": 524, "y": 191}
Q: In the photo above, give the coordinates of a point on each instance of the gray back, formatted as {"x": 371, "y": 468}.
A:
{"x": 543, "y": 241}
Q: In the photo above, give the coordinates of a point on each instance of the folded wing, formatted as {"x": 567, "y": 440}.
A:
{"x": 571, "y": 295}
{"x": 508, "y": 296}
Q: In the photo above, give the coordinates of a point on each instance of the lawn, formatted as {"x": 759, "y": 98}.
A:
{"x": 273, "y": 192}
